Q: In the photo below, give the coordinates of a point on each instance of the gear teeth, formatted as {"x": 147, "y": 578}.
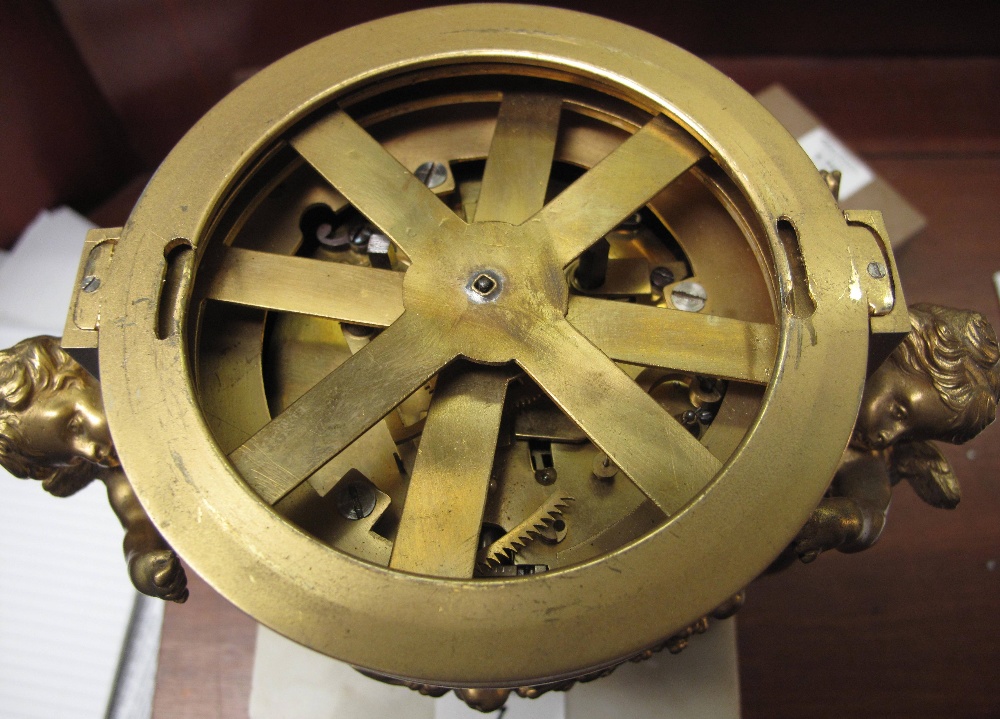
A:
{"x": 505, "y": 548}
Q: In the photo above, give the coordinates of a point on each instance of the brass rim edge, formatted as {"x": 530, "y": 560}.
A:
{"x": 319, "y": 597}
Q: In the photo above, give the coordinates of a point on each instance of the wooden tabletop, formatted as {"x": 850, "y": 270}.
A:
{"x": 910, "y": 628}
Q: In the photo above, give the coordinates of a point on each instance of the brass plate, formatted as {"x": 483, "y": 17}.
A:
{"x": 731, "y": 508}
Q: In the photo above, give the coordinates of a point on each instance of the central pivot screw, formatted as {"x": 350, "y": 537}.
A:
{"x": 484, "y": 284}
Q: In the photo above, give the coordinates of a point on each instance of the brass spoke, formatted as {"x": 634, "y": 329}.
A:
{"x": 654, "y": 450}
{"x": 672, "y": 339}
{"x": 374, "y": 182}
{"x": 340, "y": 408}
{"x": 349, "y": 293}
{"x": 520, "y": 159}
{"x": 617, "y": 186}
{"x": 438, "y": 533}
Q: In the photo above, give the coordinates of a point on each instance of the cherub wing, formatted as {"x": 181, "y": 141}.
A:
{"x": 928, "y": 472}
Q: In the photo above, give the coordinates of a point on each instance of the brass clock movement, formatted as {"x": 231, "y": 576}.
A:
{"x": 487, "y": 347}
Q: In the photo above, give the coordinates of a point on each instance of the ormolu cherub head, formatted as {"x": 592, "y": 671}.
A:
{"x": 942, "y": 382}
{"x": 52, "y": 422}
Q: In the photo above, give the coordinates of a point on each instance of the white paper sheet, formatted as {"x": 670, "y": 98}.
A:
{"x": 36, "y": 280}
{"x": 292, "y": 681}
{"x": 829, "y": 153}
{"x": 702, "y": 682}
{"x": 65, "y": 601}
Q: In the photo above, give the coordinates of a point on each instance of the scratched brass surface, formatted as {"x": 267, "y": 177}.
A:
{"x": 246, "y": 392}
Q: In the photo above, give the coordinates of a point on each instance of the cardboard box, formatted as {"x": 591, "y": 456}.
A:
{"x": 860, "y": 187}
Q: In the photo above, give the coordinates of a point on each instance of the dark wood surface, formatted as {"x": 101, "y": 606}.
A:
{"x": 910, "y": 628}
{"x": 60, "y": 143}
{"x": 163, "y": 63}
{"x": 206, "y": 658}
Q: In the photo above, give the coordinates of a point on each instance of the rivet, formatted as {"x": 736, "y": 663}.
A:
{"x": 876, "y": 270}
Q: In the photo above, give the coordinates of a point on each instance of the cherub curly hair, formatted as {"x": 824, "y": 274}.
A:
{"x": 26, "y": 369}
{"x": 957, "y": 351}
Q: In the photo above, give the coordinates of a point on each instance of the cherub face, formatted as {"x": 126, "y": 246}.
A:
{"x": 67, "y": 425}
{"x": 900, "y": 405}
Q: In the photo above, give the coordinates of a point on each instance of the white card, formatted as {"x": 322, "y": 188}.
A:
{"x": 829, "y": 153}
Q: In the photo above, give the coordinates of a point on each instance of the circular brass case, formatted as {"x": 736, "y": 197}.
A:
{"x": 497, "y": 632}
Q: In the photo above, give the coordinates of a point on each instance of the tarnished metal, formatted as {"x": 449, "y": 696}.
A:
{"x": 438, "y": 533}
{"x": 941, "y": 383}
{"x": 388, "y": 307}
{"x": 649, "y": 127}
{"x": 53, "y": 428}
